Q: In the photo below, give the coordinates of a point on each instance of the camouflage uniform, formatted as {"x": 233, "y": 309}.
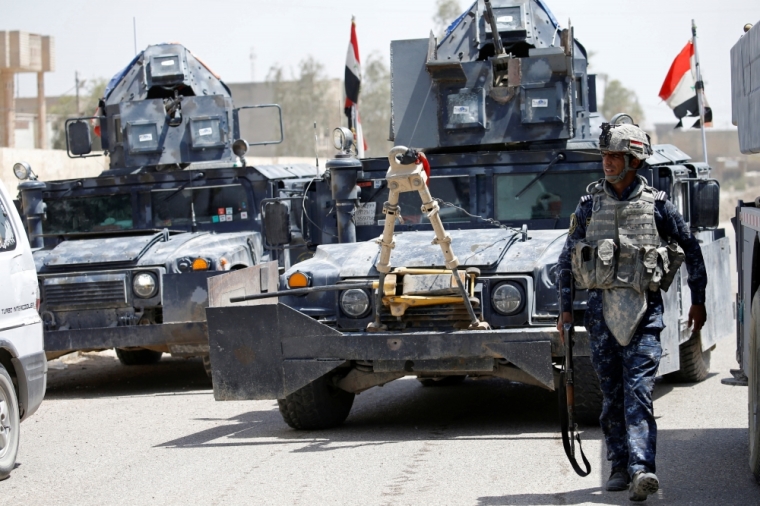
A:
{"x": 626, "y": 373}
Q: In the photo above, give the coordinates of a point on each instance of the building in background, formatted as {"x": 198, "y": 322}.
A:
{"x": 23, "y": 52}
{"x": 726, "y": 160}
{"x": 27, "y": 123}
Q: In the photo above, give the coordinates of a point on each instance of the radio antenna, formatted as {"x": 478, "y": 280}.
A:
{"x": 316, "y": 144}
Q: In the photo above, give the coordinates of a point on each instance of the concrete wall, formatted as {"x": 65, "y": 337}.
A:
{"x": 48, "y": 164}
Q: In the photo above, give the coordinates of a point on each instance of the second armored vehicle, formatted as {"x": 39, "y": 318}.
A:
{"x": 123, "y": 257}
{"x": 501, "y": 108}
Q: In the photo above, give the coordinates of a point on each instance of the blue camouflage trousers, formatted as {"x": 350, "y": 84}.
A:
{"x": 626, "y": 376}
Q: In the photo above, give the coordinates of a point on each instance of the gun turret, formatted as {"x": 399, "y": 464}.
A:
{"x": 164, "y": 111}
{"x": 504, "y": 74}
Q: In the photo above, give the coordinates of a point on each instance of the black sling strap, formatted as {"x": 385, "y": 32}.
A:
{"x": 566, "y": 392}
{"x": 569, "y": 434}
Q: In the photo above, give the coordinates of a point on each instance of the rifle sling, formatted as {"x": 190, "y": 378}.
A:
{"x": 566, "y": 439}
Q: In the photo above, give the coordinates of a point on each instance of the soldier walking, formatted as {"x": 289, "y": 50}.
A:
{"x": 625, "y": 243}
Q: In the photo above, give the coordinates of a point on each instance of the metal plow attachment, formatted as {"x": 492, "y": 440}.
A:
{"x": 247, "y": 351}
{"x": 270, "y": 351}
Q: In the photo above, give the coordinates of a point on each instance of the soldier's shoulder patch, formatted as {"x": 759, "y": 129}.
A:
{"x": 661, "y": 196}
{"x": 586, "y": 198}
{"x": 573, "y": 224}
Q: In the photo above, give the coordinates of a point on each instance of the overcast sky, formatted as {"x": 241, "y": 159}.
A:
{"x": 634, "y": 41}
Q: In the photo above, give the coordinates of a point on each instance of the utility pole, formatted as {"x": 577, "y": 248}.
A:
{"x": 252, "y": 57}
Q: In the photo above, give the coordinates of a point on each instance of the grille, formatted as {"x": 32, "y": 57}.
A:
{"x": 90, "y": 294}
{"x": 443, "y": 316}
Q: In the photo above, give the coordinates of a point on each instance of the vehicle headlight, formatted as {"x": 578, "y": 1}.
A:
{"x": 354, "y": 302}
{"x": 507, "y": 298}
{"x": 144, "y": 285}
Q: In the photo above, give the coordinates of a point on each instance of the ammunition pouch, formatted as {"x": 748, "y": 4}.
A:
{"x": 607, "y": 265}
{"x": 594, "y": 266}
{"x": 674, "y": 256}
{"x": 583, "y": 261}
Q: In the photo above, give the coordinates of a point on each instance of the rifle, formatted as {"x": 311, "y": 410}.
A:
{"x": 566, "y": 394}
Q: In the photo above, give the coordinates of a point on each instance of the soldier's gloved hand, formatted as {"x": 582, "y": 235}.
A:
{"x": 697, "y": 316}
{"x": 567, "y": 317}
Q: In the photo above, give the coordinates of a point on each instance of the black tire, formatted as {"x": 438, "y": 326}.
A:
{"x": 138, "y": 356}
{"x": 207, "y": 365}
{"x": 753, "y": 376}
{"x": 318, "y": 405}
{"x": 588, "y": 393}
{"x": 443, "y": 382}
{"x": 695, "y": 363}
{"x": 10, "y": 422}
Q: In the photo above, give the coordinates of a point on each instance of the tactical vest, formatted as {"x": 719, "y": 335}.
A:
{"x": 622, "y": 247}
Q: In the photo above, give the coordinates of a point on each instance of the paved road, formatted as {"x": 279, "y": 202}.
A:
{"x": 109, "y": 434}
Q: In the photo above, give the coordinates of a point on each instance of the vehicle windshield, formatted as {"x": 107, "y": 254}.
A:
{"x": 7, "y": 239}
{"x": 455, "y": 190}
{"x": 554, "y": 196}
{"x": 211, "y": 204}
{"x": 101, "y": 213}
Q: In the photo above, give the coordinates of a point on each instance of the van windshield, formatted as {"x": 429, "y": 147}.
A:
{"x": 101, "y": 213}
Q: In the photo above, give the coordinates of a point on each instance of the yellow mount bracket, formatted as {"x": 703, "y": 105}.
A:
{"x": 408, "y": 178}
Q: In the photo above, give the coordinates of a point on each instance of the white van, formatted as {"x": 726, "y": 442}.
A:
{"x": 23, "y": 368}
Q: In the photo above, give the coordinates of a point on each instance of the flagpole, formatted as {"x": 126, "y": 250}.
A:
{"x": 700, "y": 89}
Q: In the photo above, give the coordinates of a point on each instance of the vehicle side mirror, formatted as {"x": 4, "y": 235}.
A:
{"x": 704, "y": 202}
{"x": 276, "y": 221}
{"x": 258, "y": 125}
{"x": 78, "y": 137}
{"x": 79, "y": 140}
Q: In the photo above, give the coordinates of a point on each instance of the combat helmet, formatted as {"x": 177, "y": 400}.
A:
{"x": 625, "y": 138}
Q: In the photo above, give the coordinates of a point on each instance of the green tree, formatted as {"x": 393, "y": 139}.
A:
{"x": 375, "y": 105}
{"x": 618, "y": 98}
{"x": 446, "y": 11}
{"x": 305, "y": 99}
{"x": 66, "y": 107}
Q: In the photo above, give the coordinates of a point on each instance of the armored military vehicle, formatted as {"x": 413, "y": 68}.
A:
{"x": 123, "y": 257}
{"x": 499, "y": 111}
{"x": 745, "y": 58}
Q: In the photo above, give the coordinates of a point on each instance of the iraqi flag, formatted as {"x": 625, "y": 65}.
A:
{"x": 353, "y": 81}
{"x": 679, "y": 89}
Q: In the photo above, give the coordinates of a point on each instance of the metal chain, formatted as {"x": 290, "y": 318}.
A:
{"x": 487, "y": 220}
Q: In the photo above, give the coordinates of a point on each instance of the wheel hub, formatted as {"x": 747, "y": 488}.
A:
{"x": 5, "y": 425}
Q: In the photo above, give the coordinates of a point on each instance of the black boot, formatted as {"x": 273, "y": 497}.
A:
{"x": 618, "y": 481}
